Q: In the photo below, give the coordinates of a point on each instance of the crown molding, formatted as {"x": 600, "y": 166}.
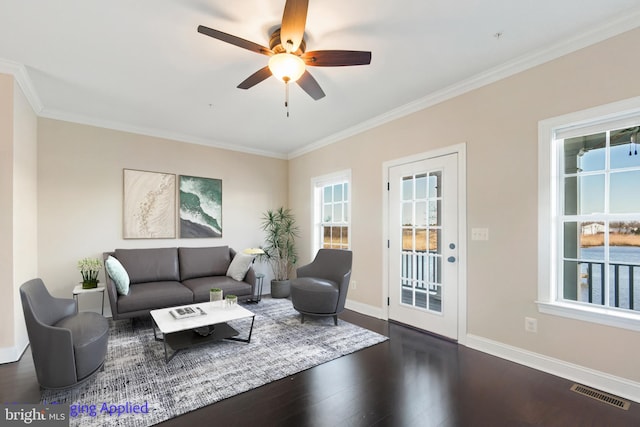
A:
{"x": 158, "y": 133}
{"x": 611, "y": 28}
{"x": 19, "y": 72}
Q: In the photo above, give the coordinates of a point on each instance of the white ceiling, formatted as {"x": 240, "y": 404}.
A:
{"x": 141, "y": 65}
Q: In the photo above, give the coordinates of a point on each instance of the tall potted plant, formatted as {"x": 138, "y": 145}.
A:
{"x": 279, "y": 250}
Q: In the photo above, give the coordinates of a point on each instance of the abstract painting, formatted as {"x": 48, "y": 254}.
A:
{"x": 149, "y": 205}
{"x": 200, "y": 207}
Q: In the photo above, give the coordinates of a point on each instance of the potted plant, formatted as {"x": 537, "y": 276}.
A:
{"x": 89, "y": 269}
{"x": 215, "y": 294}
{"x": 231, "y": 300}
{"x": 279, "y": 250}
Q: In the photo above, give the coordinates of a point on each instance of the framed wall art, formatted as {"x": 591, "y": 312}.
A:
{"x": 200, "y": 207}
{"x": 149, "y": 205}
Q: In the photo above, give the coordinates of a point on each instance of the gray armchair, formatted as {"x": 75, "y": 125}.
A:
{"x": 320, "y": 288}
{"x": 67, "y": 347}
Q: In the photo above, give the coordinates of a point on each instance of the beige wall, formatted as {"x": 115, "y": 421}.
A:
{"x": 18, "y": 216}
{"x": 6, "y": 209}
{"x": 499, "y": 123}
{"x": 80, "y": 194}
{"x": 25, "y": 205}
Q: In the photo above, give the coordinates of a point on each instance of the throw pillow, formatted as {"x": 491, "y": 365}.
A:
{"x": 239, "y": 266}
{"x": 118, "y": 274}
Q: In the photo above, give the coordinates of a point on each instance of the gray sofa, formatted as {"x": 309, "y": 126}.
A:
{"x": 166, "y": 277}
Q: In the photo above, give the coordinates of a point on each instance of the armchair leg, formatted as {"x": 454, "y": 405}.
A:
{"x": 335, "y": 320}
{"x": 301, "y": 318}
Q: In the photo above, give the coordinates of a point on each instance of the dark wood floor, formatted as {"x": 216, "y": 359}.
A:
{"x": 413, "y": 379}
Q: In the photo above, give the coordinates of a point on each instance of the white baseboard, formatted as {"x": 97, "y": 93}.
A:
{"x": 12, "y": 354}
{"x": 366, "y": 309}
{"x": 606, "y": 382}
{"x": 612, "y": 384}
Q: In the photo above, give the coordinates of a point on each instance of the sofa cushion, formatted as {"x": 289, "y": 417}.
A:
{"x": 203, "y": 262}
{"x": 152, "y": 295}
{"x": 118, "y": 274}
{"x": 201, "y": 286}
{"x": 149, "y": 265}
{"x": 239, "y": 266}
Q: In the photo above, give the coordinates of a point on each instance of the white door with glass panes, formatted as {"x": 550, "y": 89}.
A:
{"x": 423, "y": 240}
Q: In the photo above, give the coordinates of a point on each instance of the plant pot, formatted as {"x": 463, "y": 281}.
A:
{"x": 280, "y": 288}
{"x": 89, "y": 284}
{"x": 231, "y": 301}
{"x": 215, "y": 294}
{"x": 215, "y": 297}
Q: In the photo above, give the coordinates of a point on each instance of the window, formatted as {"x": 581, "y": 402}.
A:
{"x": 332, "y": 211}
{"x": 589, "y": 227}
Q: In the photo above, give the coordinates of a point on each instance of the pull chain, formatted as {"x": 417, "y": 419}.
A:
{"x": 286, "y": 97}
{"x": 286, "y": 94}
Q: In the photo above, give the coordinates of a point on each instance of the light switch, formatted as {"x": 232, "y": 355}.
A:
{"x": 479, "y": 234}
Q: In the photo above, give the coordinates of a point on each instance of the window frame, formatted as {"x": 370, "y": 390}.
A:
{"x": 606, "y": 117}
{"x": 317, "y": 186}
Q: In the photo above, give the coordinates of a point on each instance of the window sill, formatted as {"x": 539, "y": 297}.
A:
{"x": 602, "y": 316}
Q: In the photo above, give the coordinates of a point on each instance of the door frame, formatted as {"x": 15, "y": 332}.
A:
{"x": 461, "y": 151}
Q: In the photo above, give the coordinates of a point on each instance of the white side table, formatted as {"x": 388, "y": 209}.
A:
{"x": 79, "y": 290}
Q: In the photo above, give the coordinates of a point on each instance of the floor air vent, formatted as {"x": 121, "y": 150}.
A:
{"x": 601, "y": 396}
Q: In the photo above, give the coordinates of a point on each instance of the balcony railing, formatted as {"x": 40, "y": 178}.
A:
{"x": 623, "y": 292}
{"x": 421, "y": 279}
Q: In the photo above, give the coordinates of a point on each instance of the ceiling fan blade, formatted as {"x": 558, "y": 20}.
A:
{"x": 236, "y": 41}
{"x": 255, "y": 78}
{"x": 294, "y": 20}
{"x": 336, "y": 58}
{"x": 310, "y": 85}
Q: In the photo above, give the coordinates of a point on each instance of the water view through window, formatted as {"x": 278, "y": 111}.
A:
{"x": 601, "y": 219}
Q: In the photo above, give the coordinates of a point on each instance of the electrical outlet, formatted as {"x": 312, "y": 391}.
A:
{"x": 531, "y": 324}
{"x": 353, "y": 284}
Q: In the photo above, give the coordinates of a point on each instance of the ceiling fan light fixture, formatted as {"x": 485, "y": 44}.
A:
{"x": 286, "y": 67}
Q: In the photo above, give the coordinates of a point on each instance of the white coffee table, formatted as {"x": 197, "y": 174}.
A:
{"x": 179, "y": 334}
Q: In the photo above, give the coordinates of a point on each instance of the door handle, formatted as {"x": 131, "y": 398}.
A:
{"x": 451, "y": 259}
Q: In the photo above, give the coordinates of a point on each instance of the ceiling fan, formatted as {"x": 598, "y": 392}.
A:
{"x": 287, "y": 49}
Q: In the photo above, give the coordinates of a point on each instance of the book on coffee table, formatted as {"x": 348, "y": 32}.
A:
{"x": 184, "y": 312}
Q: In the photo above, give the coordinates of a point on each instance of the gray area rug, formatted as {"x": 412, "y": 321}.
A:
{"x": 138, "y": 383}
